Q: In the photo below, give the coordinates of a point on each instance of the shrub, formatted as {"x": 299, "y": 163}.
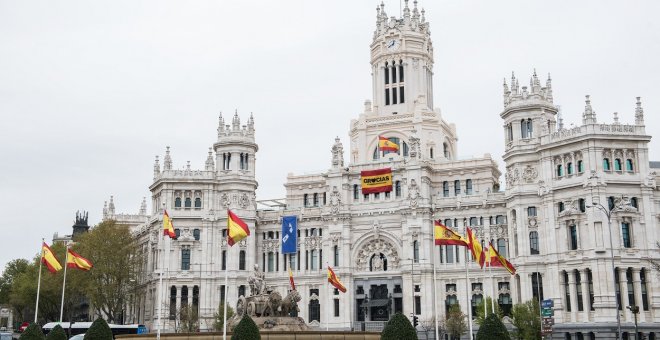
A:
{"x": 398, "y": 328}
{"x": 99, "y": 331}
{"x": 246, "y": 330}
{"x": 57, "y": 333}
{"x": 32, "y": 332}
{"x": 492, "y": 328}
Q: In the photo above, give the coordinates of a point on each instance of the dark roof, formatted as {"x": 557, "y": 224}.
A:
{"x": 655, "y": 164}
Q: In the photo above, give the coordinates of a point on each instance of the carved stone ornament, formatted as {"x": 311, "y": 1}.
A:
{"x": 413, "y": 193}
{"x": 335, "y": 200}
{"x": 543, "y": 189}
{"x": 623, "y": 204}
{"x": 270, "y": 245}
{"x": 224, "y": 200}
{"x": 529, "y": 174}
{"x": 451, "y": 292}
{"x": 649, "y": 181}
{"x": 414, "y": 145}
{"x": 335, "y": 237}
{"x": 244, "y": 201}
{"x": 569, "y": 209}
{"x": 377, "y": 247}
{"x": 313, "y": 242}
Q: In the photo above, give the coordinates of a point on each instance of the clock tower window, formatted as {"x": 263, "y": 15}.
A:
{"x": 394, "y": 83}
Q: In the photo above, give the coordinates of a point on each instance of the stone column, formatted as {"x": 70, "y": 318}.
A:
{"x": 573, "y": 291}
{"x": 637, "y": 288}
{"x": 623, "y": 288}
{"x": 584, "y": 279}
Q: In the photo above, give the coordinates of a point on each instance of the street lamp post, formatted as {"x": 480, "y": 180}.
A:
{"x": 608, "y": 213}
{"x": 635, "y": 310}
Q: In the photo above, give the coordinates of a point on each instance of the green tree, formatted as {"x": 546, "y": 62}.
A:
{"x": 219, "y": 319}
{"x": 527, "y": 321}
{"x": 113, "y": 251}
{"x": 246, "y": 329}
{"x": 57, "y": 333}
{"x": 32, "y": 332}
{"x": 456, "y": 322}
{"x": 99, "y": 330}
{"x": 398, "y": 328}
{"x": 12, "y": 270}
{"x": 487, "y": 303}
{"x": 189, "y": 319}
{"x": 492, "y": 328}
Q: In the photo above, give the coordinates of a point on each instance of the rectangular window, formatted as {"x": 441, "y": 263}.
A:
{"x": 401, "y": 95}
{"x": 394, "y": 101}
{"x": 222, "y": 293}
{"x": 625, "y": 233}
{"x": 336, "y": 307}
{"x": 393, "y": 74}
{"x": 387, "y": 96}
{"x": 445, "y": 189}
{"x": 457, "y": 188}
{"x": 366, "y": 197}
{"x": 298, "y": 257}
{"x": 314, "y": 259}
{"x": 567, "y": 292}
{"x": 468, "y": 187}
{"x": 578, "y": 285}
{"x": 336, "y": 249}
{"x": 418, "y": 305}
{"x": 631, "y": 291}
{"x": 185, "y": 259}
{"x": 645, "y": 294}
{"x": 531, "y": 211}
{"x": 573, "y": 237}
{"x": 537, "y": 286}
{"x": 580, "y": 166}
{"x": 401, "y": 74}
{"x": 450, "y": 254}
{"x": 306, "y": 259}
{"x": 591, "y": 290}
{"x": 271, "y": 262}
{"x": 387, "y": 75}
{"x": 376, "y": 196}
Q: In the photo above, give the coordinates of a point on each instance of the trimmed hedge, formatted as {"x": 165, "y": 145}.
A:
{"x": 246, "y": 330}
{"x": 399, "y": 328}
{"x": 99, "y": 331}
{"x": 57, "y": 333}
{"x": 32, "y": 332}
{"x": 493, "y": 328}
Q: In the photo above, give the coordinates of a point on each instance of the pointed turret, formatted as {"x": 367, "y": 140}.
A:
{"x": 250, "y": 124}
{"x": 589, "y": 116}
{"x": 236, "y": 122}
{"x": 143, "y": 207}
{"x": 221, "y": 125}
{"x": 167, "y": 163}
{"x": 111, "y": 208}
{"x": 105, "y": 210}
{"x": 639, "y": 113}
{"x": 548, "y": 89}
{"x": 210, "y": 164}
{"x": 616, "y": 118}
{"x": 156, "y": 167}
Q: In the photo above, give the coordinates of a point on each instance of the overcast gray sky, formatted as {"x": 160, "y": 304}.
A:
{"x": 91, "y": 91}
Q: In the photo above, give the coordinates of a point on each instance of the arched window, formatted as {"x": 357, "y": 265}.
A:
{"x": 629, "y": 165}
{"x": 314, "y": 307}
{"x": 468, "y": 187}
{"x": 356, "y": 192}
{"x": 474, "y": 221}
{"x": 173, "y": 303}
{"x": 195, "y": 300}
{"x": 241, "y": 260}
{"x": 617, "y": 165}
{"x": 387, "y": 75}
{"x": 569, "y": 168}
{"x": 445, "y": 150}
{"x": 196, "y": 234}
{"x": 188, "y": 202}
{"x": 177, "y": 202}
{"x": 645, "y": 293}
{"x": 445, "y": 189}
{"x": 526, "y": 128}
{"x": 404, "y": 146}
{"x": 534, "y": 243}
{"x": 580, "y": 166}
{"x": 560, "y": 206}
{"x": 401, "y": 74}
{"x": 560, "y": 170}
{"x": 457, "y": 187}
{"x": 606, "y": 164}
{"x": 198, "y": 202}
{"x": 184, "y": 296}
{"x": 397, "y": 188}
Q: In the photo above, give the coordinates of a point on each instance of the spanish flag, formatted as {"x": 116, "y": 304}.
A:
{"x": 168, "y": 227}
{"x": 385, "y": 144}
{"x": 446, "y": 236}
{"x": 73, "y": 260}
{"x": 334, "y": 280}
{"x": 494, "y": 259}
{"x": 475, "y": 248}
{"x": 49, "y": 259}
{"x": 236, "y": 228}
{"x": 293, "y": 284}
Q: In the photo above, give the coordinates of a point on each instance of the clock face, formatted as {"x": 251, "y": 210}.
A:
{"x": 393, "y": 44}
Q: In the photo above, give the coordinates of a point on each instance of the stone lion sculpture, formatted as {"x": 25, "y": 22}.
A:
{"x": 290, "y": 303}
{"x": 273, "y": 304}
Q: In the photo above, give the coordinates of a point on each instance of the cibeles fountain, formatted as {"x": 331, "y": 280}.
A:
{"x": 267, "y": 307}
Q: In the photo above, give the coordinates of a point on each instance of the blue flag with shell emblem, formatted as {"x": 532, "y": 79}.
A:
{"x": 289, "y": 234}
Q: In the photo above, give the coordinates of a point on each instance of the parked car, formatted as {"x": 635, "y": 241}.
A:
{"x": 23, "y": 326}
{"x": 5, "y": 336}
{"x": 76, "y": 337}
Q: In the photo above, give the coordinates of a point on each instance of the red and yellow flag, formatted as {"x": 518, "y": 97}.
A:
{"x": 236, "y": 228}
{"x": 374, "y": 181}
{"x": 73, "y": 260}
{"x": 385, "y": 144}
{"x": 334, "y": 280}
{"x": 446, "y": 236}
{"x": 475, "y": 247}
{"x": 293, "y": 284}
{"x": 49, "y": 259}
{"x": 168, "y": 227}
{"x": 494, "y": 259}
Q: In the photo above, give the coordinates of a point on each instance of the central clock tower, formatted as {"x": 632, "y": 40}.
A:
{"x": 401, "y": 61}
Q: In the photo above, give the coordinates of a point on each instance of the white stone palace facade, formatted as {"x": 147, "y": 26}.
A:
{"x": 381, "y": 245}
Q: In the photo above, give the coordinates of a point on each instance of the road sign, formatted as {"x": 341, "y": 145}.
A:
{"x": 547, "y": 312}
{"x": 548, "y": 321}
{"x": 547, "y": 304}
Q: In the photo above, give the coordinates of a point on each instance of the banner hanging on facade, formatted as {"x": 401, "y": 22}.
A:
{"x": 376, "y": 180}
{"x": 289, "y": 234}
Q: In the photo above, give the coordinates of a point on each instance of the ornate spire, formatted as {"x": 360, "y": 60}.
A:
{"x": 250, "y": 123}
{"x": 337, "y": 154}
{"x": 423, "y": 17}
{"x": 105, "y": 210}
{"x": 589, "y": 116}
{"x": 143, "y": 206}
{"x": 406, "y": 11}
{"x": 506, "y": 93}
{"x": 221, "y": 124}
{"x": 548, "y": 89}
{"x": 616, "y": 117}
{"x": 210, "y": 165}
{"x": 156, "y": 167}
{"x": 415, "y": 11}
{"x": 560, "y": 119}
{"x": 167, "y": 163}
{"x": 187, "y": 166}
{"x": 111, "y": 207}
{"x": 639, "y": 113}
{"x": 236, "y": 122}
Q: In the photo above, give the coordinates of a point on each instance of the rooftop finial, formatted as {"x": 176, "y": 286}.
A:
{"x": 156, "y": 167}
{"x": 210, "y": 165}
{"x": 143, "y": 206}
{"x": 589, "y": 116}
{"x": 616, "y": 117}
{"x": 639, "y": 112}
{"x": 167, "y": 163}
{"x": 548, "y": 89}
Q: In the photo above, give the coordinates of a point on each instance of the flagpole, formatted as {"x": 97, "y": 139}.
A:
{"x": 327, "y": 309}
{"x": 41, "y": 260}
{"x": 492, "y": 288}
{"x": 467, "y": 284}
{"x": 224, "y": 316}
{"x": 160, "y": 284}
{"x": 435, "y": 299}
{"x": 66, "y": 260}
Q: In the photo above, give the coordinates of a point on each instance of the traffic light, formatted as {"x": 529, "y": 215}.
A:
{"x": 415, "y": 321}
